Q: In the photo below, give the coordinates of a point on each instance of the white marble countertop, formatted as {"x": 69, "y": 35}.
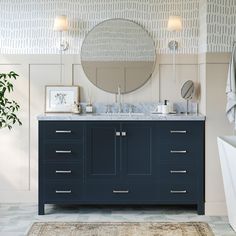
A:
{"x": 119, "y": 117}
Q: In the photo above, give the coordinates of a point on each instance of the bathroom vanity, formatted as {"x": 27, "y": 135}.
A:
{"x": 94, "y": 159}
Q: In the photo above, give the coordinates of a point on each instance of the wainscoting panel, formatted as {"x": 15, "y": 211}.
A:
{"x": 39, "y": 76}
{"x": 170, "y": 85}
{"x": 18, "y": 151}
{"x": 14, "y": 148}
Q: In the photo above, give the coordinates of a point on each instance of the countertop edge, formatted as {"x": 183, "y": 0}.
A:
{"x": 147, "y": 117}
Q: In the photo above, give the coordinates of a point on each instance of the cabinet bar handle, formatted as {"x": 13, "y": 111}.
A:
{"x": 117, "y": 133}
{"x": 63, "y": 191}
{"x": 63, "y": 151}
{"x": 123, "y": 133}
{"x": 120, "y": 191}
{"x": 178, "y": 131}
{"x": 178, "y": 192}
{"x": 63, "y": 131}
{"x": 175, "y": 151}
{"x": 178, "y": 171}
{"x": 63, "y": 171}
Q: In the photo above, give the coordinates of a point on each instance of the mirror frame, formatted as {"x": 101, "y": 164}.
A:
{"x": 154, "y": 61}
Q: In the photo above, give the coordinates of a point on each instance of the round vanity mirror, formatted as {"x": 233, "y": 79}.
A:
{"x": 187, "y": 90}
{"x": 118, "y": 53}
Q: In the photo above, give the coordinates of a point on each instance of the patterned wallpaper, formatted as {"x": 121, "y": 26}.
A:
{"x": 26, "y": 25}
{"x": 221, "y": 25}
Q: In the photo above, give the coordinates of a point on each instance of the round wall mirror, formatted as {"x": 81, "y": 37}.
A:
{"x": 118, "y": 53}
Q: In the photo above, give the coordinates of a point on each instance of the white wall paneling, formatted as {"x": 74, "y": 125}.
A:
{"x": 18, "y": 162}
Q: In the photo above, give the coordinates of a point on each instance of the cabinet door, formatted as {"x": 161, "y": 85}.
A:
{"x": 137, "y": 159}
{"x": 103, "y": 151}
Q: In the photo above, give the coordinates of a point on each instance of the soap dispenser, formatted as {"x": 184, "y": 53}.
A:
{"x": 165, "y": 107}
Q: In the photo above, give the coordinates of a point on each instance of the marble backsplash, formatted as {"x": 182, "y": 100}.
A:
{"x": 141, "y": 107}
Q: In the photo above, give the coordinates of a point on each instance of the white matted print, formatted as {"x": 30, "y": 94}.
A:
{"x": 61, "y": 98}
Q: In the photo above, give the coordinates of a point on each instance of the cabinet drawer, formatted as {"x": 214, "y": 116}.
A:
{"x": 63, "y": 171}
{"x": 63, "y": 130}
{"x": 121, "y": 193}
{"x": 178, "y": 172}
{"x": 181, "y": 151}
{"x": 178, "y": 192}
{"x": 63, "y": 151}
{"x": 182, "y": 131}
{"x": 63, "y": 192}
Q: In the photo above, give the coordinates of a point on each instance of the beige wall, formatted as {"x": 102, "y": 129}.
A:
{"x": 18, "y": 165}
{"x": 216, "y": 68}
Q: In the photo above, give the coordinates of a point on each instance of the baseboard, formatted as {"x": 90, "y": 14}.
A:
{"x": 215, "y": 209}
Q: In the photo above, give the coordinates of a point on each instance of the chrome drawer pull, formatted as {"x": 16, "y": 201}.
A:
{"x": 178, "y": 171}
{"x": 63, "y": 191}
{"x": 117, "y": 133}
{"x": 123, "y": 133}
{"x": 63, "y": 171}
{"x": 175, "y": 151}
{"x": 63, "y": 151}
{"x": 178, "y": 192}
{"x": 178, "y": 131}
{"x": 120, "y": 191}
{"x": 63, "y": 131}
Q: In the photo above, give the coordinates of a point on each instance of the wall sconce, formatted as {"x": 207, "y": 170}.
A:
{"x": 174, "y": 25}
{"x": 60, "y": 25}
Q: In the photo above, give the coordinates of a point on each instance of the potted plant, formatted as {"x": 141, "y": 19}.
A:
{"x": 8, "y": 107}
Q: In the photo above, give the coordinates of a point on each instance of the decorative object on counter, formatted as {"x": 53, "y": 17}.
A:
{"x": 89, "y": 108}
{"x": 121, "y": 52}
{"x": 60, "y": 98}
{"x": 8, "y": 108}
{"x": 165, "y": 108}
{"x": 76, "y": 108}
{"x": 174, "y": 25}
{"x": 60, "y": 25}
{"x": 187, "y": 92}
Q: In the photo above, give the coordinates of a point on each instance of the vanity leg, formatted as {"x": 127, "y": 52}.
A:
{"x": 200, "y": 209}
{"x": 41, "y": 209}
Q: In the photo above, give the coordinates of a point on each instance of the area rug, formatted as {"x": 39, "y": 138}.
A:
{"x": 120, "y": 229}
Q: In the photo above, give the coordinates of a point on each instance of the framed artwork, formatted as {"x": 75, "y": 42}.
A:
{"x": 60, "y": 98}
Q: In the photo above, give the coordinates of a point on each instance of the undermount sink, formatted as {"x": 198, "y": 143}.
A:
{"x": 122, "y": 114}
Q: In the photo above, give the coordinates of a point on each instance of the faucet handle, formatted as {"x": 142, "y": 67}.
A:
{"x": 130, "y": 108}
{"x": 108, "y": 108}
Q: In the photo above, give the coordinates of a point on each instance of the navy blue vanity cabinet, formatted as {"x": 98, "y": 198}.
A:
{"x": 180, "y": 148}
{"x": 61, "y": 163}
{"x": 102, "y": 152}
{"x": 119, "y": 166}
{"x": 121, "y": 162}
{"x": 138, "y": 161}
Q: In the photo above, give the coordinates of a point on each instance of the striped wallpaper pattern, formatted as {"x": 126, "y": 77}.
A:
{"x": 26, "y": 25}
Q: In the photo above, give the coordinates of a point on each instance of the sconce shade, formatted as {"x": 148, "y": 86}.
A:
{"x": 174, "y": 23}
{"x": 60, "y": 23}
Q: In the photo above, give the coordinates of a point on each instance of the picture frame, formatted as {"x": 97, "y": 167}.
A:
{"x": 60, "y": 98}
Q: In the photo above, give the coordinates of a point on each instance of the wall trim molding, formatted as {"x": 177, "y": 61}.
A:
{"x": 216, "y": 209}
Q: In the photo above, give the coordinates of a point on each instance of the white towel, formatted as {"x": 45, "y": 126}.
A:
{"x": 231, "y": 88}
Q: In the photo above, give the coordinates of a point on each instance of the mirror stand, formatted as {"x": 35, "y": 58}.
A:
{"x": 187, "y": 107}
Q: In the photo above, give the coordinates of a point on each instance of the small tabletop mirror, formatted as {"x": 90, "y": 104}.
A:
{"x": 118, "y": 53}
{"x": 187, "y": 92}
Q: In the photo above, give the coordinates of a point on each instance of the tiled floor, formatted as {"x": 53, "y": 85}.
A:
{"x": 16, "y": 219}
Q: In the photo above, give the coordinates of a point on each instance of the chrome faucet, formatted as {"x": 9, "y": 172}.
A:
{"x": 119, "y": 99}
